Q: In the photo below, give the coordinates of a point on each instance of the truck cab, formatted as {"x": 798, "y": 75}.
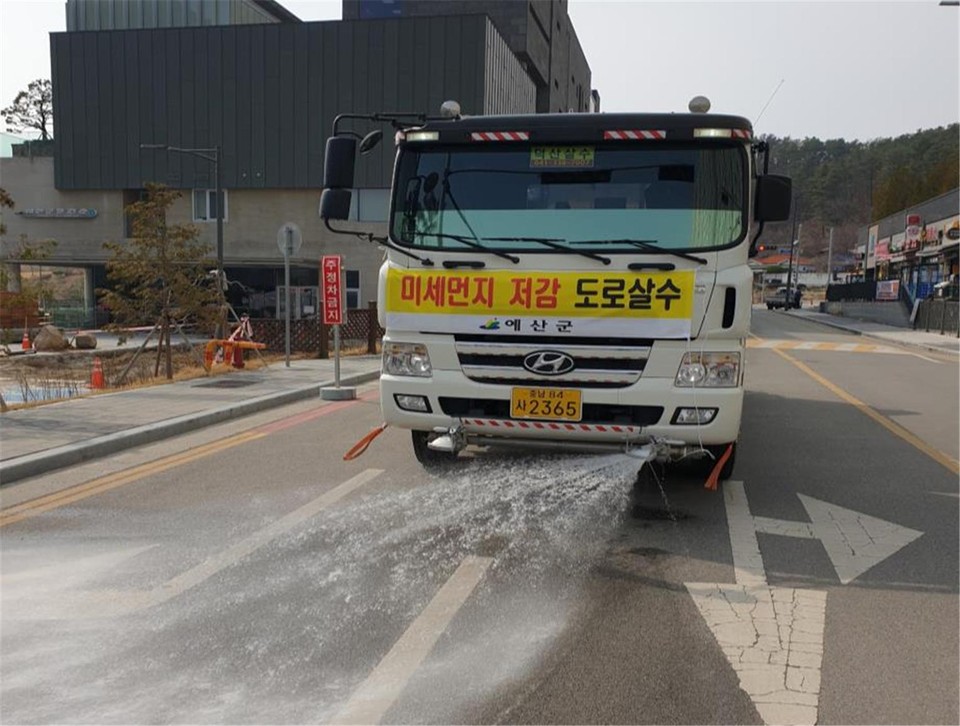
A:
{"x": 575, "y": 281}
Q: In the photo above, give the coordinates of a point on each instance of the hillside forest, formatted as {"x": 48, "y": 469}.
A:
{"x": 847, "y": 184}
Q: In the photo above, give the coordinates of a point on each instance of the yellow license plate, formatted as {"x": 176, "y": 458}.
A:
{"x": 546, "y": 404}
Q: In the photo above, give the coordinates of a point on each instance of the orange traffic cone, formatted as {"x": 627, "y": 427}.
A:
{"x": 25, "y": 341}
{"x": 96, "y": 377}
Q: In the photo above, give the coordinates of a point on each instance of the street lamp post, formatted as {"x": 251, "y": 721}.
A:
{"x": 213, "y": 156}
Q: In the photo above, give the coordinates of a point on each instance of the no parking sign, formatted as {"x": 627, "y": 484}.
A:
{"x": 331, "y": 290}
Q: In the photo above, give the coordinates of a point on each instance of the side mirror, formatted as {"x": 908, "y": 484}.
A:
{"x": 338, "y": 162}
{"x": 370, "y": 140}
{"x": 335, "y": 204}
{"x": 774, "y": 194}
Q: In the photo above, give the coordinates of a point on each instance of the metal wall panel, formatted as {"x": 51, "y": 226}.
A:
{"x": 507, "y": 88}
{"x": 267, "y": 94}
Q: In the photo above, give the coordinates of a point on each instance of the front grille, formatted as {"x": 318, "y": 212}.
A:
{"x": 599, "y": 363}
{"x": 593, "y": 413}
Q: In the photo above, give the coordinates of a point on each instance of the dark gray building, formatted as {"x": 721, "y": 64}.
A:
{"x": 539, "y": 32}
{"x": 134, "y": 14}
{"x": 266, "y": 94}
{"x": 200, "y": 74}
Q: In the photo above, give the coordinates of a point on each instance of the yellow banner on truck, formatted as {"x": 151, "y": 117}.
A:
{"x": 635, "y": 304}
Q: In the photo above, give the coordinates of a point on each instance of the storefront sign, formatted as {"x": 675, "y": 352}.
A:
{"x": 888, "y": 290}
{"x": 883, "y": 251}
{"x": 59, "y": 213}
{"x": 912, "y": 232}
{"x": 869, "y": 260}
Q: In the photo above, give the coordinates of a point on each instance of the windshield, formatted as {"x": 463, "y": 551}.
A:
{"x": 675, "y": 196}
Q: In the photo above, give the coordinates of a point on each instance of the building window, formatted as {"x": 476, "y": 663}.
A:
{"x": 205, "y": 205}
{"x": 353, "y": 289}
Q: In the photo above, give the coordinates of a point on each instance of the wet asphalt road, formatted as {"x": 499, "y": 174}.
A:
{"x": 246, "y": 574}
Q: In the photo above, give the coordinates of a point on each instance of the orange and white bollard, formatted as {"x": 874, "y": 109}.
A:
{"x": 25, "y": 343}
{"x": 96, "y": 377}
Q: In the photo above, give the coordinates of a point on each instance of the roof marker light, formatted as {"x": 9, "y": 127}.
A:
{"x": 423, "y": 136}
{"x": 712, "y": 133}
{"x": 722, "y": 133}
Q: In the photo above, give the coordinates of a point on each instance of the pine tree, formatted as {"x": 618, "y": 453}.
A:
{"x": 32, "y": 109}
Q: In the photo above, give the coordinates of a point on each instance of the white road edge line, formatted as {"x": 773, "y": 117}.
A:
{"x": 371, "y": 701}
{"x": 241, "y": 549}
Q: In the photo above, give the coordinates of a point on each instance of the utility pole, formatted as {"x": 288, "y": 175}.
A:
{"x": 830, "y": 258}
{"x": 794, "y": 240}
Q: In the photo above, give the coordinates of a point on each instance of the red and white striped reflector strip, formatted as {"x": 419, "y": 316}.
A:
{"x": 500, "y": 135}
{"x": 741, "y": 134}
{"x": 634, "y": 134}
{"x": 549, "y": 426}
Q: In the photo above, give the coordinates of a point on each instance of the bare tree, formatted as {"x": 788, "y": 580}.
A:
{"x": 159, "y": 277}
{"x": 32, "y": 109}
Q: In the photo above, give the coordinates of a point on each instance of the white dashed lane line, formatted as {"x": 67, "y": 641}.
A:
{"x": 371, "y": 701}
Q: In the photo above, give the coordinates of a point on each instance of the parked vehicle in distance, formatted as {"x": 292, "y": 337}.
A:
{"x": 779, "y": 298}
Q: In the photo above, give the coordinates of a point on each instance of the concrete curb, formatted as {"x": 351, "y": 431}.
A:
{"x": 838, "y": 326}
{"x": 42, "y": 462}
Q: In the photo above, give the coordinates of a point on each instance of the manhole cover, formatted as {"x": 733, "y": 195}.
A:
{"x": 225, "y": 383}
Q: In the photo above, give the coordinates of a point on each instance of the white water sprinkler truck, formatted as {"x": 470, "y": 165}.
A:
{"x": 577, "y": 281}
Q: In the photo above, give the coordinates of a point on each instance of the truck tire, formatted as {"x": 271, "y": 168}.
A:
{"x": 430, "y": 460}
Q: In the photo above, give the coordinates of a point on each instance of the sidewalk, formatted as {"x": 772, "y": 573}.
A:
{"x": 888, "y": 333}
{"x": 42, "y": 439}
{"x": 45, "y": 438}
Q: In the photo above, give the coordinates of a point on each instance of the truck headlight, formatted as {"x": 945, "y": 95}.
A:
{"x": 407, "y": 359}
{"x": 709, "y": 370}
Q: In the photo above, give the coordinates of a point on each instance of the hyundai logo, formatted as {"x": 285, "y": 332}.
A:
{"x": 548, "y": 363}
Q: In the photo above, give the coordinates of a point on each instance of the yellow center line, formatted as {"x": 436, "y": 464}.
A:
{"x": 105, "y": 483}
{"x": 941, "y": 458}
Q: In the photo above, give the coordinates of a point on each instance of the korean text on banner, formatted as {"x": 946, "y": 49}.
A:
{"x": 576, "y": 303}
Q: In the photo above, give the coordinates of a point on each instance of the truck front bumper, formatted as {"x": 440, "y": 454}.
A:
{"x": 612, "y": 418}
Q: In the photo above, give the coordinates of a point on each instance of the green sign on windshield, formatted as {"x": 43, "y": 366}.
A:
{"x": 561, "y": 157}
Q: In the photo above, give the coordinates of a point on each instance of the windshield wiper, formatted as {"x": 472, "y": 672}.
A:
{"x": 470, "y": 243}
{"x": 647, "y": 245}
{"x": 555, "y": 243}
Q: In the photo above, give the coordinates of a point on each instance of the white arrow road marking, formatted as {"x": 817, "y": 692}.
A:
{"x": 113, "y": 603}
{"x": 772, "y": 636}
{"x": 855, "y": 542}
{"x": 371, "y": 701}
